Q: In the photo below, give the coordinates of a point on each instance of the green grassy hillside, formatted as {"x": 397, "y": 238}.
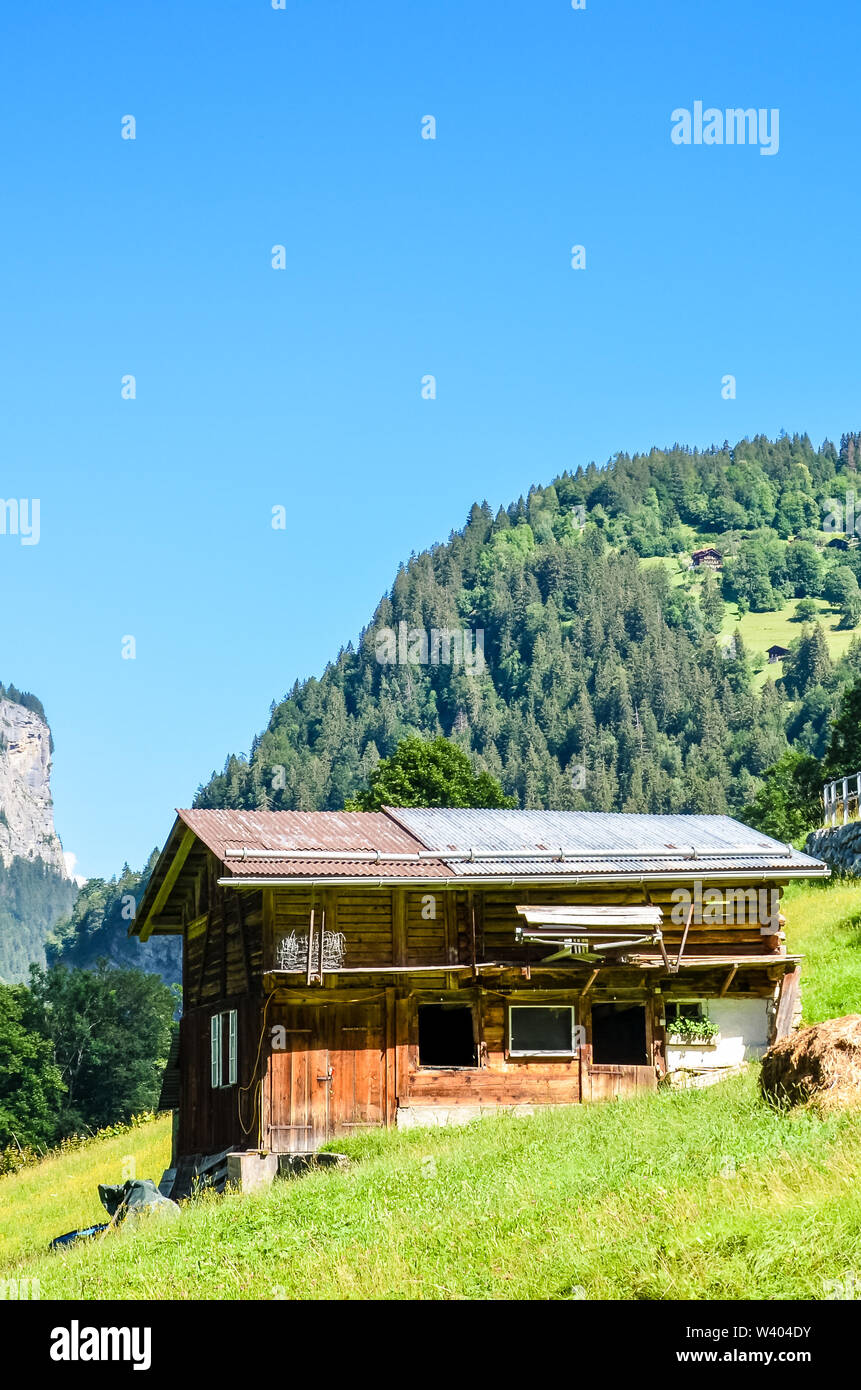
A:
{"x": 759, "y": 631}
{"x": 823, "y": 923}
{"x": 691, "y": 1195}
{"x": 61, "y": 1193}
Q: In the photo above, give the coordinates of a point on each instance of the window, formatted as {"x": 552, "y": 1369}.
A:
{"x": 446, "y": 1036}
{"x": 222, "y": 1045}
{"x": 674, "y": 1012}
{"x": 541, "y": 1030}
{"x": 619, "y": 1035}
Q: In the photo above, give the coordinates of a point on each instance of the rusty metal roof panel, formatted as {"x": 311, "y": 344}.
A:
{"x": 233, "y": 837}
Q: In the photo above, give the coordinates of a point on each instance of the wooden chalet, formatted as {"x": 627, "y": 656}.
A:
{"x": 408, "y": 967}
{"x": 707, "y": 558}
{"x": 777, "y": 653}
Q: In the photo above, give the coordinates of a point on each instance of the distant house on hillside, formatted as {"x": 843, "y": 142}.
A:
{"x": 777, "y": 653}
{"x": 401, "y": 968}
{"x": 707, "y": 558}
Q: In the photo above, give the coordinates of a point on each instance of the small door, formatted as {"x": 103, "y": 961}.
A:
{"x": 619, "y": 1052}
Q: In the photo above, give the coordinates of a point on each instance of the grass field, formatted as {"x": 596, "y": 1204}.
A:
{"x": 688, "y": 1195}
{"x": 760, "y": 631}
{"x": 60, "y": 1194}
{"x": 672, "y": 1195}
{"x": 823, "y": 923}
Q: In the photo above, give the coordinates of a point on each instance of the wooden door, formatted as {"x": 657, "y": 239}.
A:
{"x": 330, "y": 1078}
{"x": 357, "y": 1061}
{"x": 298, "y": 1080}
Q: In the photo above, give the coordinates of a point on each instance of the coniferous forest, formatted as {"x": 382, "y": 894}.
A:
{"x": 613, "y": 678}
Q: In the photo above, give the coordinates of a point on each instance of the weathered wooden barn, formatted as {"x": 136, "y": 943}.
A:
{"x": 409, "y": 967}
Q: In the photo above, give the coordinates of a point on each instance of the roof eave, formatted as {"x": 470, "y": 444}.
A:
{"x": 771, "y": 875}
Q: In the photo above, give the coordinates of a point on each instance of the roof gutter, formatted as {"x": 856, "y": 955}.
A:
{"x": 536, "y": 856}
{"x": 777, "y": 873}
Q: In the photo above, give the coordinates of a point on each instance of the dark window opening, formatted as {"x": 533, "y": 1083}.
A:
{"x": 446, "y": 1036}
{"x": 619, "y": 1035}
{"x": 677, "y": 1011}
{"x": 539, "y": 1028}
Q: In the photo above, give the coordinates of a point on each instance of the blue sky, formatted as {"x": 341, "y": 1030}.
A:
{"x": 257, "y": 387}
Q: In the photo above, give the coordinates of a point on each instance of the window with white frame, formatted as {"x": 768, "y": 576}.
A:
{"x": 222, "y": 1042}
{"x": 541, "y": 1030}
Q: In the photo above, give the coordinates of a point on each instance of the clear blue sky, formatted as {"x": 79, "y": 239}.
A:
{"x": 404, "y": 257}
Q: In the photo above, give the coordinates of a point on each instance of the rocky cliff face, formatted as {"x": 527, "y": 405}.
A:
{"x": 26, "y": 809}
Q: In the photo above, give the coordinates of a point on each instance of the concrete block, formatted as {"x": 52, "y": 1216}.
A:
{"x": 251, "y": 1172}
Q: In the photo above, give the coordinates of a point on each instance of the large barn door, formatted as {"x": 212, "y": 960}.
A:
{"x": 331, "y": 1076}
{"x": 357, "y": 1063}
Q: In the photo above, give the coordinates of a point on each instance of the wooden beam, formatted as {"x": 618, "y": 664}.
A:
{"x": 684, "y": 937}
{"x": 246, "y": 959}
{"x": 590, "y": 982}
{"x": 399, "y": 926}
{"x": 728, "y": 981}
{"x": 170, "y": 878}
{"x": 206, "y": 936}
{"x": 667, "y": 965}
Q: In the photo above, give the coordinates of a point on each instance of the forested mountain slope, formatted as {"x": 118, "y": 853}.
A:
{"x": 604, "y": 683}
{"x": 97, "y": 929}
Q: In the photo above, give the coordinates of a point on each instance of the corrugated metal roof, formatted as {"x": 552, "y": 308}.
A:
{"x": 480, "y": 845}
{"x": 597, "y": 843}
{"x": 233, "y": 836}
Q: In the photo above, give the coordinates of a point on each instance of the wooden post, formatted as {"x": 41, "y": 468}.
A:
{"x": 308, "y": 964}
{"x": 675, "y": 968}
{"x": 399, "y": 926}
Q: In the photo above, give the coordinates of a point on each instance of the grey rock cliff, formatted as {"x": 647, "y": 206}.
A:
{"x": 26, "y": 808}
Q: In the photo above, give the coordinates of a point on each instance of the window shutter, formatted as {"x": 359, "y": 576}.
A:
{"x": 215, "y": 1048}
{"x": 231, "y": 1058}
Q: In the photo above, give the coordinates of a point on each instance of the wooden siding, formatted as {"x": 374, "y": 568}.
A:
{"x": 223, "y": 947}
{"x": 210, "y": 1118}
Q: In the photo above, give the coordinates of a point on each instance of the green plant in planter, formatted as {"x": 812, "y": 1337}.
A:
{"x": 693, "y": 1030}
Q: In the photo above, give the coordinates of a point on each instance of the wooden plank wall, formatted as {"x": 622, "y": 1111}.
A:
{"x": 227, "y": 949}
{"x": 722, "y": 938}
{"x": 422, "y": 928}
{"x": 208, "y": 1117}
{"x": 223, "y": 949}
{"x": 381, "y": 926}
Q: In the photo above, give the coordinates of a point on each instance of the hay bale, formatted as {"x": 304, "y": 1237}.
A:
{"x": 818, "y": 1065}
